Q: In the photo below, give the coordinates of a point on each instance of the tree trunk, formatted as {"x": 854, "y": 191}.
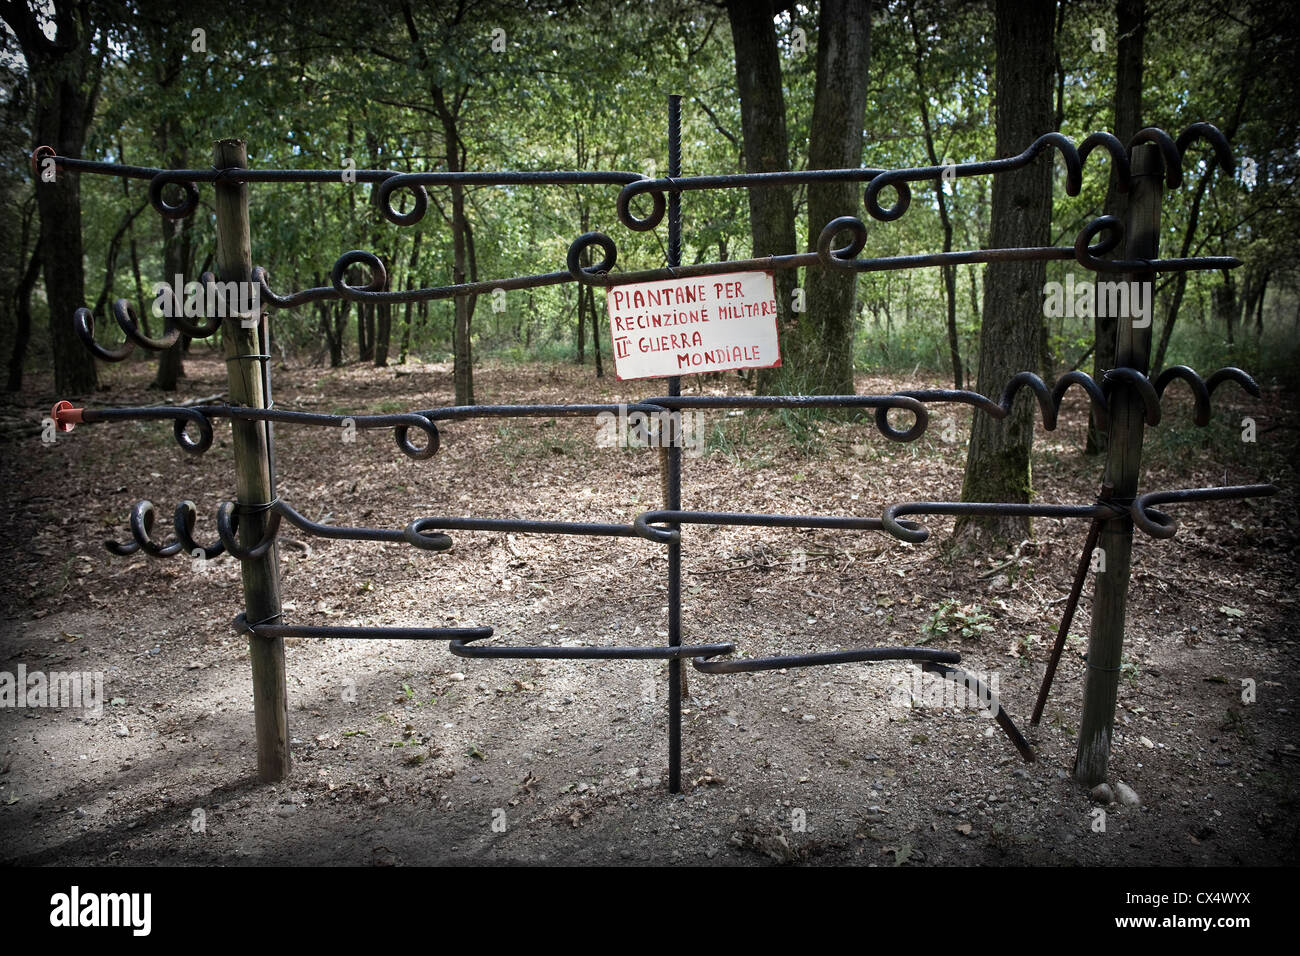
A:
{"x": 595, "y": 327}
{"x": 1131, "y": 17}
{"x": 1259, "y": 303}
{"x": 835, "y": 142}
{"x": 584, "y": 223}
{"x": 462, "y": 366}
{"x": 64, "y": 75}
{"x": 949, "y": 273}
{"x": 23, "y": 317}
{"x": 998, "y": 461}
{"x": 1180, "y": 281}
{"x": 762, "y": 115}
{"x": 1224, "y": 298}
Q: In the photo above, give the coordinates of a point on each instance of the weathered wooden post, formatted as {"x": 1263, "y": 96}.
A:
{"x": 1123, "y": 463}
{"x": 254, "y": 482}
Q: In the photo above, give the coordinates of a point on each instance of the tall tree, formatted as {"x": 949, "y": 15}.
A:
{"x": 169, "y": 45}
{"x": 948, "y": 272}
{"x": 762, "y": 120}
{"x": 835, "y": 142}
{"x": 997, "y": 463}
{"x": 64, "y": 71}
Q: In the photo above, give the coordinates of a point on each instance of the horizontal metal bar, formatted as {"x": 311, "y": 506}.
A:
{"x": 548, "y": 652}
{"x": 242, "y": 626}
{"x": 824, "y": 658}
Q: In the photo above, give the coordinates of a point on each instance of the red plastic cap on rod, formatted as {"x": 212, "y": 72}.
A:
{"x": 66, "y": 416}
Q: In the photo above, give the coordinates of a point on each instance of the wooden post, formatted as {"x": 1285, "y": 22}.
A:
{"x": 1123, "y": 463}
{"x": 254, "y": 480}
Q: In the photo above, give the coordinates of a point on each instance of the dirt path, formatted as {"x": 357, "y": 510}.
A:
{"x": 404, "y": 754}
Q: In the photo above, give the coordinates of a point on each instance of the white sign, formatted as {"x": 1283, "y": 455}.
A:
{"x": 687, "y": 326}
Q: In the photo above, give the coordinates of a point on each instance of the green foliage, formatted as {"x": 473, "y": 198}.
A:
{"x": 582, "y": 86}
{"x": 957, "y": 619}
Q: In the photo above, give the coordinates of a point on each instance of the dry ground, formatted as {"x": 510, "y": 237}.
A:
{"x": 404, "y": 754}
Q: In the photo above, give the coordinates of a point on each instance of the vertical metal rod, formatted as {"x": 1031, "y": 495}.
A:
{"x": 1067, "y": 618}
{"x": 1123, "y": 466}
{"x": 673, "y": 483}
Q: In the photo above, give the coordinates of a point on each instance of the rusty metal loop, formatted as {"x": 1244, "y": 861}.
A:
{"x": 1118, "y": 156}
{"x": 589, "y": 274}
{"x": 373, "y": 264}
{"x": 173, "y": 210}
{"x": 124, "y": 312}
{"x": 227, "y": 529}
{"x": 83, "y": 323}
{"x": 141, "y": 524}
{"x": 414, "y": 533}
{"x": 1160, "y": 525}
{"x": 899, "y": 178}
{"x": 186, "y": 515}
{"x": 382, "y": 195}
{"x": 1141, "y": 384}
{"x": 42, "y": 153}
{"x": 1207, "y": 133}
{"x": 623, "y": 205}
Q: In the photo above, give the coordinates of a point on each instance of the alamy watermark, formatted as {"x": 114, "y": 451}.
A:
{"x": 669, "y": 428}
{"x": 194, "y": 300}
{"x": 78, "y": 689}
{"x": 970, "y": 691}
{"x": 1087, "y": 299}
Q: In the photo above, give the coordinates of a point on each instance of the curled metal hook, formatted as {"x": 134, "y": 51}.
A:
{"x": 1160, "y": 525}
{"x": 1146, "y": 391}
{"x": 1173, "y": 159}
{"x": 1118, "y": 156}
{"x": 159, "y": 202}
{"x": 227, "y": 528}
{"x": 1088, "y": 255}
{"x": 124, "y": 312}
{"x": 1173, "y": 152}
{"x": 1202, "y": 389}
{"x": 1049, "y": 400}
{"x": 83, "y": 323}
{"x": 899, "y": 178}
{"x": 142, "y": 518}
{"x": 210, "y": 324}
{"x": 1207, "y": 133}
{"x": 186, "y": 515}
